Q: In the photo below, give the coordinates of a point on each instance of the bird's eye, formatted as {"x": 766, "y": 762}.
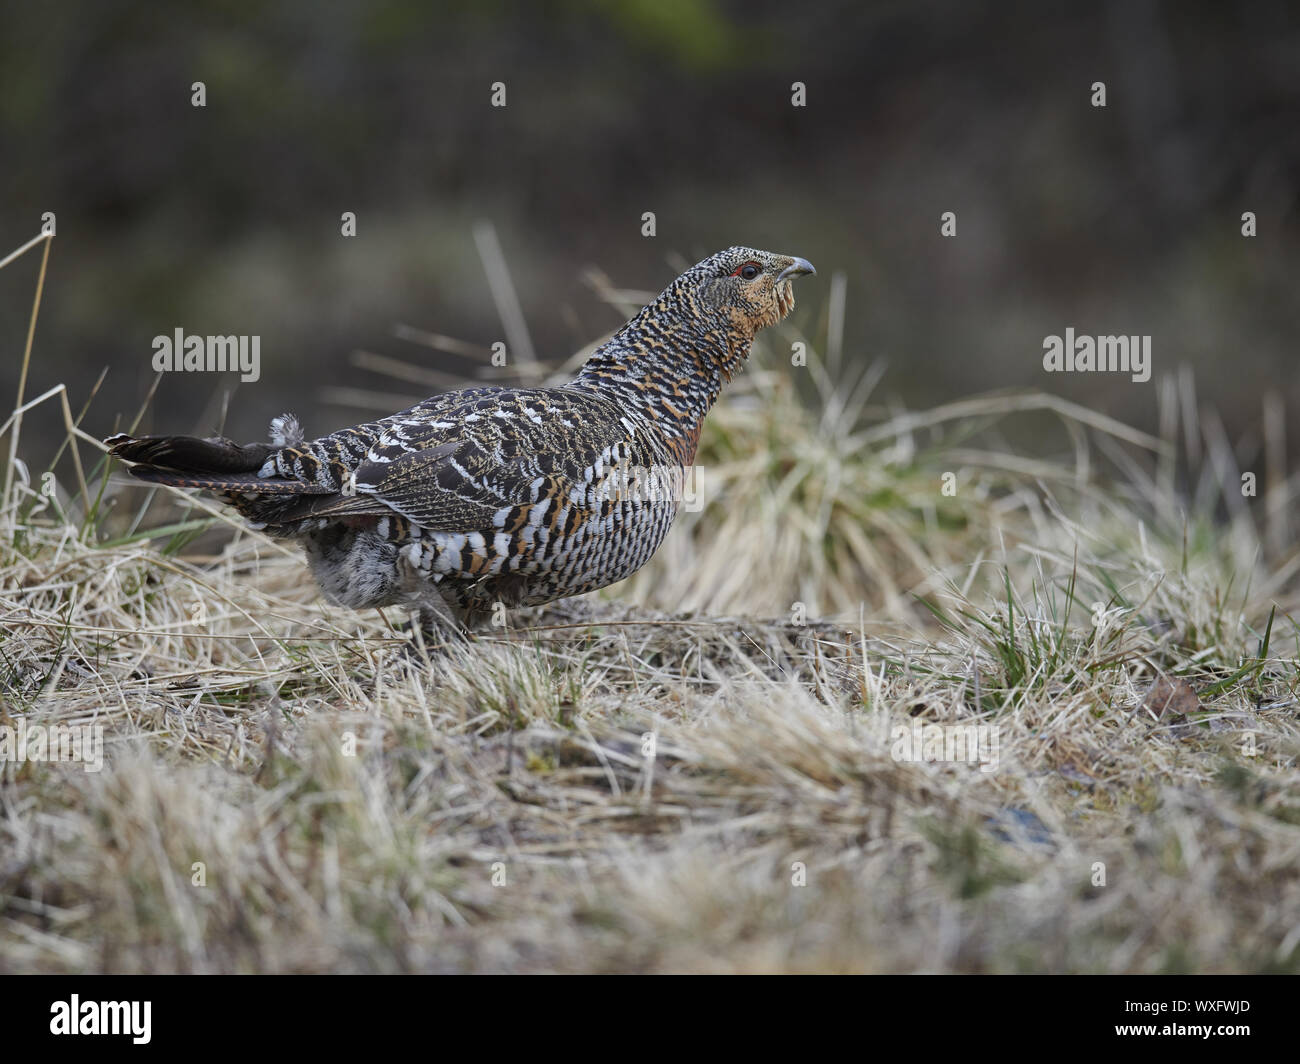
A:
{"x": 748, "y": 271}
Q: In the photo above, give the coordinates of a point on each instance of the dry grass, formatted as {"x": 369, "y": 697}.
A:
{"x": 357, "y": 803}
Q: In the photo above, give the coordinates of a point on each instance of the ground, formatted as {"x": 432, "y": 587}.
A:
{"x": 709, "y": 767}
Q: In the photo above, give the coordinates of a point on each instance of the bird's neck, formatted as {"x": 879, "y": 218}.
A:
{"x": 660, "y": 366}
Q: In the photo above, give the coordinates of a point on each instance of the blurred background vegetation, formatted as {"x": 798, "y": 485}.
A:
{"x": 226, "y": 219}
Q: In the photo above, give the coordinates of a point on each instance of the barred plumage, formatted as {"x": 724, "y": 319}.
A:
{"x": 516, "y": 496}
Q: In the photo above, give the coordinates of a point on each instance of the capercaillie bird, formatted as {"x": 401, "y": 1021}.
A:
{"x": 517, "y": 496}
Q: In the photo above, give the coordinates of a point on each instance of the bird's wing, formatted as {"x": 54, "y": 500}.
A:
{"x": 453, "y": 462}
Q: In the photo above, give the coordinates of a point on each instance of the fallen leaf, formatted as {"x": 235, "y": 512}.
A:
{"x": 1171, "y": 699}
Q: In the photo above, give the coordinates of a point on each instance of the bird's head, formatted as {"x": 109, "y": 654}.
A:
{"x": 754, "y": 287}
{"x": 744, "y": 290}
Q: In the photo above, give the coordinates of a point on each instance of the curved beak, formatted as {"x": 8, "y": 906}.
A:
{"x": 797, "y": 268}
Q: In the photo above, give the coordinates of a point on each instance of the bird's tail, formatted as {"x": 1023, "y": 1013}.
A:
{"x": 213, "y": 465}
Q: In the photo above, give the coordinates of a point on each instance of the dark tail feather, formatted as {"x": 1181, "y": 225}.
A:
{"x": 188, "y": 454}
{"x": 213, "y": 465}
{"x": 246, "y": 482}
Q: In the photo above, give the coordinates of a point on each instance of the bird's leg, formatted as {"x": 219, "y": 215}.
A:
{"x": 440, "y": 626}
{"x": 428, "y": 632}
